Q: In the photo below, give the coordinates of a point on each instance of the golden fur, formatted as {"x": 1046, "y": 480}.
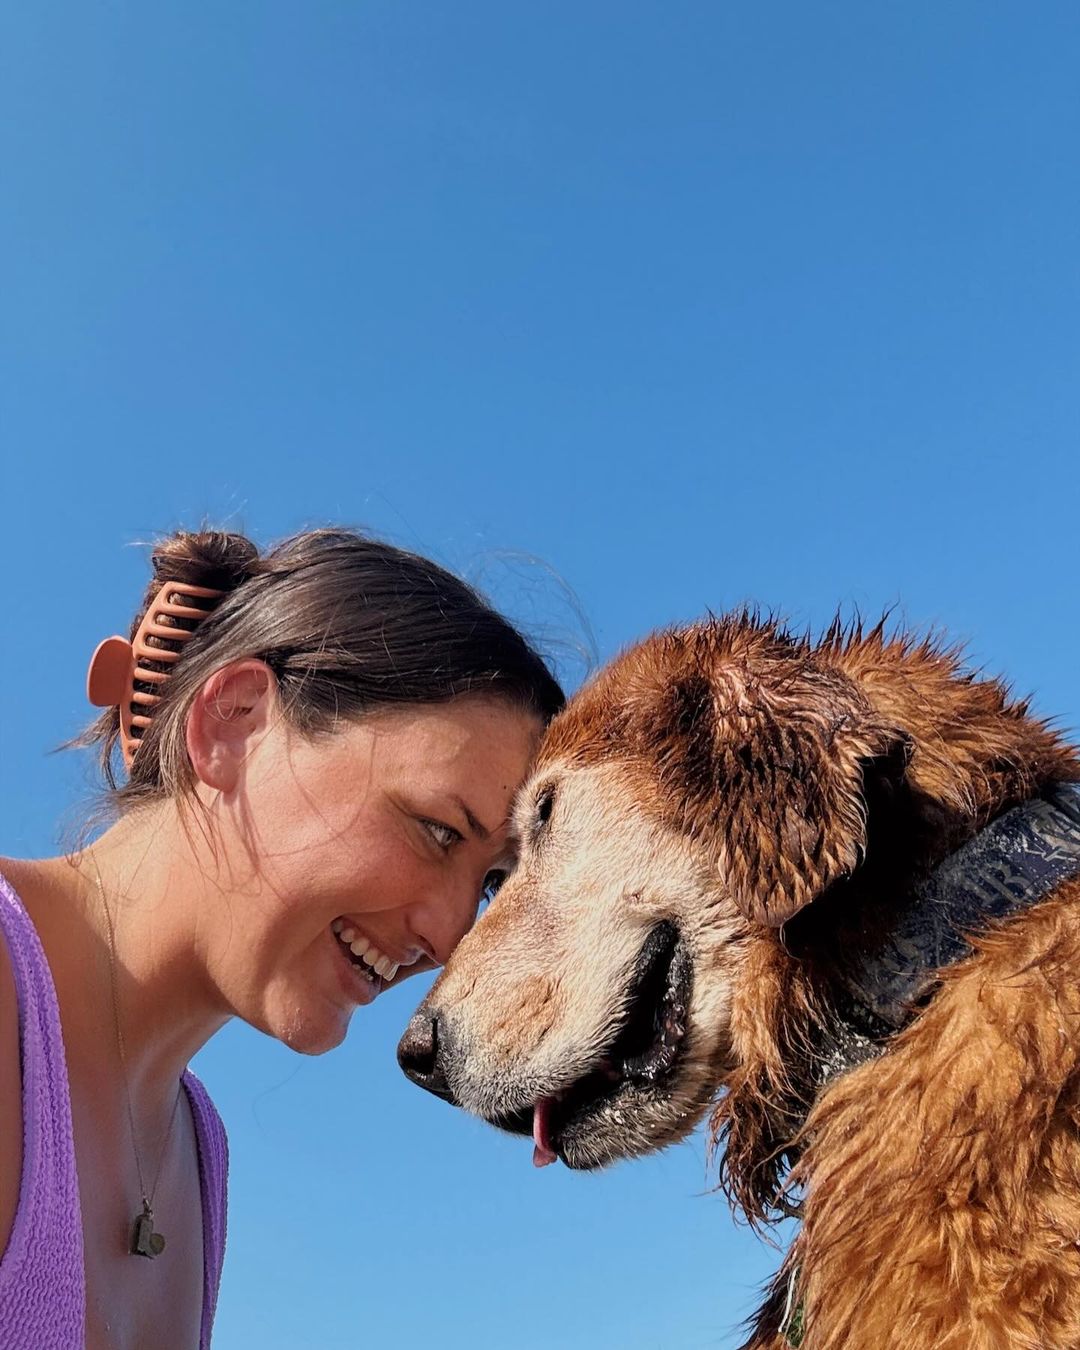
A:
{"x": 777, "y": 798}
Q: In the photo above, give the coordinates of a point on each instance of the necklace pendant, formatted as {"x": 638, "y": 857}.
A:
{"x": 144, "y": 1241}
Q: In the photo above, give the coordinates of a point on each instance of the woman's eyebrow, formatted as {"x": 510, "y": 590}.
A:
{"x": 481, "y": 831}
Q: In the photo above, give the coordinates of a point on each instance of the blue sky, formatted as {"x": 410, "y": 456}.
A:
{"x": 629, "y": 311}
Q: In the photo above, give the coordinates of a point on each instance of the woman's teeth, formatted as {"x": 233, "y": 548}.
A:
{"x": 364, "y": 950}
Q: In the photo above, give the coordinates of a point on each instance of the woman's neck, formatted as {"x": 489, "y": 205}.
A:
{"x": 144, "y": 876}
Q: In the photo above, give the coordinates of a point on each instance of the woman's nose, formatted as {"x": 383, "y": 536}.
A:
{"x": 440, "y": 922}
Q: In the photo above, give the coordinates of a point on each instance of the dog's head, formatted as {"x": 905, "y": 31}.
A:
{"x": 705, "y": 787}
{"x": 702, "y": 791}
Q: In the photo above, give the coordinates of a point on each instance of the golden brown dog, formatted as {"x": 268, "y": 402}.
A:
{"x": 727, "y": 858}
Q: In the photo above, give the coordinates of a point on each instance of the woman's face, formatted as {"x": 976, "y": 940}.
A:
{"x": 347, "y": 855}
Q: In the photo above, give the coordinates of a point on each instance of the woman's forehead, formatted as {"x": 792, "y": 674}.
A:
{"x": 477, "y": 753}
{"x": 464, "y": 727}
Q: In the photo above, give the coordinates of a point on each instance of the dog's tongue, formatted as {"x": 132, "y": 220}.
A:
{"x": 543, "y": 1153}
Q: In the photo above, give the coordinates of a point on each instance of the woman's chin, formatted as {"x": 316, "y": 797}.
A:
{"x": 301, "y": 1030}
{"x": 304, "y": 1020}
{"x": 309, "y": 1007}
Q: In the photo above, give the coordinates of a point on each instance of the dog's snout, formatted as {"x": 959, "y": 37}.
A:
{"x": 418, "y": 1053}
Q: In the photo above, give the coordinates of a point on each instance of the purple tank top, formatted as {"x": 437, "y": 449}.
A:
{"x": 42, "y": 1280}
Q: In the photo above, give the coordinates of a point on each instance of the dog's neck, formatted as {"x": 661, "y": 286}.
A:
{"x": 1013, "y": 863}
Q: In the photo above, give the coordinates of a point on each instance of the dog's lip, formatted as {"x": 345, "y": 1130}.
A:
{"x": 629, "y": 1065}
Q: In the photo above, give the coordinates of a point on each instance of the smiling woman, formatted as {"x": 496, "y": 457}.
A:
{"x": 321, "y": 749}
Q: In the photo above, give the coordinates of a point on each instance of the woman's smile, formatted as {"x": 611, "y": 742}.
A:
{"x": 361, "y": 984}
{"x": 371, "y": 959}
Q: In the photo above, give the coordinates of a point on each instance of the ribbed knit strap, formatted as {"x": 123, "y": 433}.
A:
{"x": 42, "y": 1291}
{"x": 213, "y": 1177}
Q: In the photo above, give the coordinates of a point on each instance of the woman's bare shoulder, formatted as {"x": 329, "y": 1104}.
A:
{"x": 10, "y": 1098}
{"x": 36, "y": 883}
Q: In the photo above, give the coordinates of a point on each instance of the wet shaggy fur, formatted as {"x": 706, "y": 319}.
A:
{"x": 939, "y": 1185}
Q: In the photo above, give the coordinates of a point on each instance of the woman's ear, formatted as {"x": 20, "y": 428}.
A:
{"x": 229, "y": 716}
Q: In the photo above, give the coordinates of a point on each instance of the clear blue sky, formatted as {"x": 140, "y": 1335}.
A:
{"x": 682, "y": 304}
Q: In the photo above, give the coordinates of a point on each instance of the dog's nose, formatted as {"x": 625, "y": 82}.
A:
{"x": 418, "y": 1054}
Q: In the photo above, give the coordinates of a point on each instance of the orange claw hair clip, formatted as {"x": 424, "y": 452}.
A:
{"x": 117, "y": 663}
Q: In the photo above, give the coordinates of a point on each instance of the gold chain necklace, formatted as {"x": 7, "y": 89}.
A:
{"x": 145, "y": 1241}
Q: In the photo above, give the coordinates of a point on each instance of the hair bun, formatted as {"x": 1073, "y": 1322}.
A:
{"x": 210, "y": 558}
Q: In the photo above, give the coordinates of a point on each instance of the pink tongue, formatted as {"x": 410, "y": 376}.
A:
{"x": 543, "y": 1153}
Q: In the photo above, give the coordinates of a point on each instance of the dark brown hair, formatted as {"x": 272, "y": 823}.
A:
{"x": 347, "y": 623}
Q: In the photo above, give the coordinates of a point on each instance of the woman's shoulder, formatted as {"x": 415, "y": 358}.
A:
{"x": 20, "y": 882}
{"x": 13, "y": 918}
{"x": 10, "y": 1080}
{"x": 24, "y": 977}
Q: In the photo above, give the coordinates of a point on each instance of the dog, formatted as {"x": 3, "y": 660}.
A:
{"x": 826, "y": 892}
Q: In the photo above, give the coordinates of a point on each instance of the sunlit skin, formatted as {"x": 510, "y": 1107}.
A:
{"x": 223, "y": 908}
{"x": 394, "y": 825}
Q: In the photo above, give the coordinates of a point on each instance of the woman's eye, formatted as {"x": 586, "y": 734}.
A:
{"x": 444, "y": 835}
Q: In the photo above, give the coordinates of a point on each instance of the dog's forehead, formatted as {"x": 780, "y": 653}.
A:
{"x": 584, "y": 732}
{"x": 585, "y": 781}
{"x": 667, "y": 678}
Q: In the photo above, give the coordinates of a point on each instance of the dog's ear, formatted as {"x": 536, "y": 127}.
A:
{"x": 780, "y": 788}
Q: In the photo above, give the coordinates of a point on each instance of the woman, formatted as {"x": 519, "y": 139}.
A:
{"x": 321, "y": 765}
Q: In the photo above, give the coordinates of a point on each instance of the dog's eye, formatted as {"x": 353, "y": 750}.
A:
{"x": 545, "y": 803}
{"x": 492, "y": 885}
